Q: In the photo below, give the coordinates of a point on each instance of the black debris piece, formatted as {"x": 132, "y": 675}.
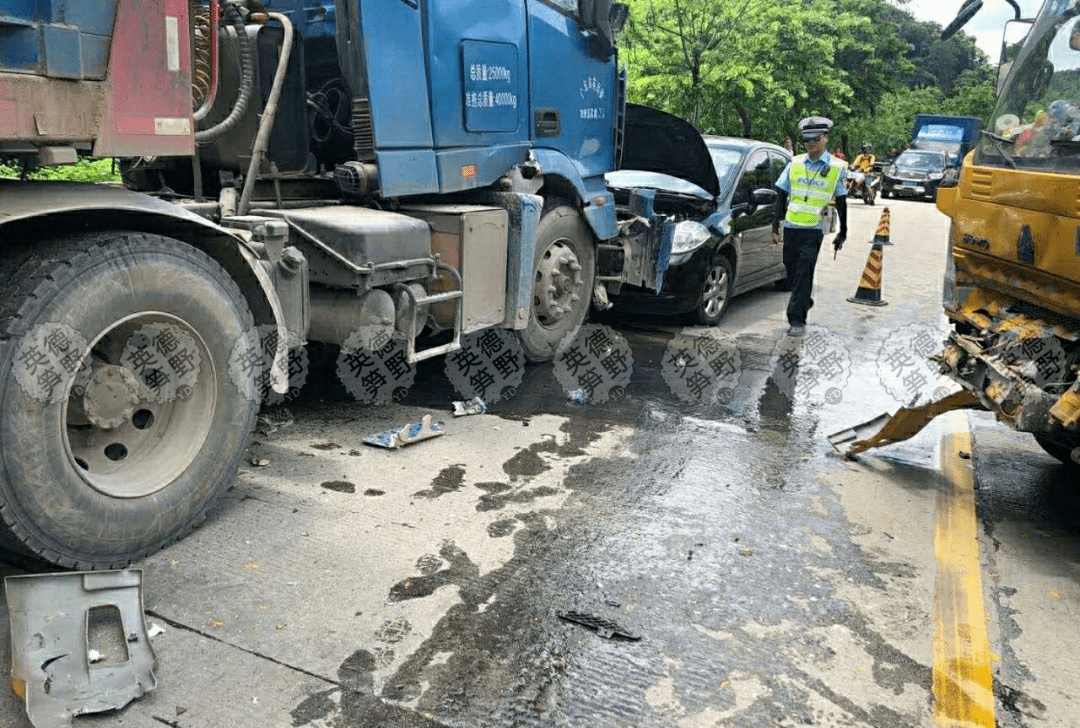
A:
{"x": 602, "y": 627}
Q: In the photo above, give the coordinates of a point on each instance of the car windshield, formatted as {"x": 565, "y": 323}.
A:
{"x": 726, "y": 160}
{"x": 925, "y": 161}
{"x": 1037, "y": 117}
{"x": 634, "y": 179}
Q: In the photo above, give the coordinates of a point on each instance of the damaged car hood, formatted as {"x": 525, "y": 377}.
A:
{"x": 659, "y": 142}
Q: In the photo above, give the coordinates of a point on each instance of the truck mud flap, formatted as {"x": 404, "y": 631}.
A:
{"x": 905, "y": 424}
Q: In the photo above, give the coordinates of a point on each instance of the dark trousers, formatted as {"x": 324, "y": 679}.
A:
{"x": 801, "y": 248}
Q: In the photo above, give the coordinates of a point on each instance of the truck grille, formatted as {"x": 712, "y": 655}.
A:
{"x": 363, "y": 130}
{"x": 982, "y": 184}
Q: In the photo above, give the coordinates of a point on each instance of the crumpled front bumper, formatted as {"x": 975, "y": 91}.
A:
{"x": 998, "y": 359}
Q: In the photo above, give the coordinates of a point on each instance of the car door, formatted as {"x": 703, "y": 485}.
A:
{"x": 774, "y": 258}
{"x": 753, "y": 225}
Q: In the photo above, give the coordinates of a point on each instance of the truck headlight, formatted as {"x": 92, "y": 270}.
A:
{"x": 689, "y": 236}
{"x": 936, "y": 175}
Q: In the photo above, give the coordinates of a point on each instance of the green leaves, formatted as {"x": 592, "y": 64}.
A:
{"x": 755, "y": 67}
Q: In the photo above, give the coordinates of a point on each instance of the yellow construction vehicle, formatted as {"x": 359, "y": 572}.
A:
{"x": 1012, "y": 289}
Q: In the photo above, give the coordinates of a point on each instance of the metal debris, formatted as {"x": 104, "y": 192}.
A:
{"x": 78, "y": 643}
{"x": 602, "y": 627}
{"x": 474, "y": 406}
{"x": 425, "y": 429}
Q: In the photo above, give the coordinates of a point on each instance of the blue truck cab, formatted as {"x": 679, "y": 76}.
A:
{"x": 953, "y": 135}
{"x": 461, "y": 92}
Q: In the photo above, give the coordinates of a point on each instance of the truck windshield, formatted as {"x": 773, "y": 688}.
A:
{"x": 1036, "y": 123}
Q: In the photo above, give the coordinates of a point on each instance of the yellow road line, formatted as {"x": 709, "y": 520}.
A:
{"x": 963, "y": 682}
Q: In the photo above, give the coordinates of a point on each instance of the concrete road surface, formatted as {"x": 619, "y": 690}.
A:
{"x": 770, "y": 582}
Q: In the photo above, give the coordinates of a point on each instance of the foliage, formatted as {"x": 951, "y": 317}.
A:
{"x": 753, "y": 68}
{"x": 85, "y": 170}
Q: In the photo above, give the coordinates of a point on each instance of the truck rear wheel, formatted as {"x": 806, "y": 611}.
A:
{"x": 563, "y": 272}
{"x": 109, "y": 465}
{"x": 1061, "y": 447}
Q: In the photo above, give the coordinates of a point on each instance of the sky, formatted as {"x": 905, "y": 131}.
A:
{"x": 987, "y": 25}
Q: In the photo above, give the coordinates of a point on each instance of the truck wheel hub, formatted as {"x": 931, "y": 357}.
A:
{"x": 558, "y": 284}
{"x": 111, "y": 396}
{"x": 124, "y": 440}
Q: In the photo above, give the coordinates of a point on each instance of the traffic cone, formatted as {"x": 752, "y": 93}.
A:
{"x": 869, "y": 291}
{"x": 882, "y": 234}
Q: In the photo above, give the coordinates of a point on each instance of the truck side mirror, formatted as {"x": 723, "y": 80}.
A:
{"x": 762, "y": 196}
{"x": 596, "y": 21}
{"x": 620, "y": 13}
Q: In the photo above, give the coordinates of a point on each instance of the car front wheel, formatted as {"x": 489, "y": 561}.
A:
{"x": 715, "y": 291}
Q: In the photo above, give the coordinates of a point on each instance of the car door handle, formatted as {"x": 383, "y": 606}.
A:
{"x": 547, "y": 122}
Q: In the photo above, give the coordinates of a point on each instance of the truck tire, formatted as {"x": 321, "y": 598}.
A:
{"x": 1060, "y": 448}
{"x": 105, "y": 470}
{"x": 563, "y": 270}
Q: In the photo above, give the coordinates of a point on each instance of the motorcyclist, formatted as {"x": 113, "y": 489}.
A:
{"x": 866, "y": 159}
{"x": 863, "y": 165}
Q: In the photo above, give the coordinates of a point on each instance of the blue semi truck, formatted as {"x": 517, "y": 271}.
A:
{"x": 309, "y": 168}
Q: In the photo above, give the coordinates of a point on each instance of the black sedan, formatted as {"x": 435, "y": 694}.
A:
{"x": 722, "y": 190}
{"x": 915, "y": 173}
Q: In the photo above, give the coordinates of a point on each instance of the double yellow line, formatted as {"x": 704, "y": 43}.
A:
{"x": 963, "y": 681}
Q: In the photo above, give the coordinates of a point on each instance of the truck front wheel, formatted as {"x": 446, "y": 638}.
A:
{"x": 120, "y": 423}
{"x": 563, "y": 272}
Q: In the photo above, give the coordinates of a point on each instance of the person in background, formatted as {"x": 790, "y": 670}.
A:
{"x": 787, "y": 145}
{"x": 839, "y": 154}
{"x": 866, "y": 159}
{"x": 804, "y": 190}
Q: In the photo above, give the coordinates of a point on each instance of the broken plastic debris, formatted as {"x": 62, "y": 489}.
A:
{"x": 579, "y": 396}
{"x": 58, "y": 673}
{"x": 602, "y": 627}
{"x": 259, "y": 462}
{"x": 155, "y": 629}
{"x": 425, "y": 429}
{"x": 474, "y": 406}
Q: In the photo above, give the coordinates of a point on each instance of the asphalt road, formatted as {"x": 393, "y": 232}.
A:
{"x": 771, "y": 583}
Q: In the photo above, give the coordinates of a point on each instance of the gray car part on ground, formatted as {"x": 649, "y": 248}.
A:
{"x": 78, "y": 643}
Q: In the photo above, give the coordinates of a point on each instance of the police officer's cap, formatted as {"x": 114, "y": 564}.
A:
{"x": 814, "y": 126}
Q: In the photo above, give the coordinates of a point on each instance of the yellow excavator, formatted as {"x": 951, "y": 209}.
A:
{"x": 1012, "y": 286}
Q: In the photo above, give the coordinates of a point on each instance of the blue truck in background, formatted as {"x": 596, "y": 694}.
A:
{"x": 312, "y": 168}
{"x": 954, "y": 135}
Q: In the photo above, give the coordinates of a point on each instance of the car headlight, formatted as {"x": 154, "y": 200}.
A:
{"x": 689, "y": 235}
{"x": 936, "y": 175}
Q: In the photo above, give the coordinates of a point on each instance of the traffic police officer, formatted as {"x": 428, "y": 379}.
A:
{"x": 806, "y": 187}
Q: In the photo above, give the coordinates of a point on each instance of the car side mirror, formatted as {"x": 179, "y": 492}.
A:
{"x": 763, "y": 196}
{"x": 739, "y": 209}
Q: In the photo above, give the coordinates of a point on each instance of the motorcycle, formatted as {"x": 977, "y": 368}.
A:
{"x": 863, "y": 185}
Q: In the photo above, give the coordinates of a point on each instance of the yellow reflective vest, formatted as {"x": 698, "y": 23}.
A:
{"x": 811, "y": 193}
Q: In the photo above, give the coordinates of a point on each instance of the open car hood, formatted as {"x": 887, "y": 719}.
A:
{"x": 659, "y": 142}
